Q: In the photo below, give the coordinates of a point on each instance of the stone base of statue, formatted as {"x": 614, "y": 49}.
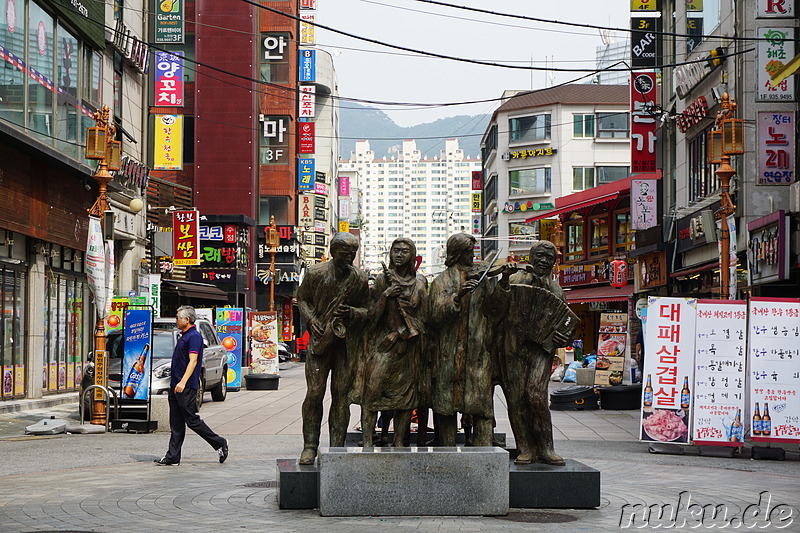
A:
{"x": 298, "y": 485}
{"x": 540, "y": 486}
{"x": 355, "y": 438}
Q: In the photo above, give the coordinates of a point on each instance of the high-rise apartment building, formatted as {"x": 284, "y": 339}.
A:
{"x": 411, "y": 195}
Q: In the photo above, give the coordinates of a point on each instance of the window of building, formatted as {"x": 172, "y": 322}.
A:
{"x": 274, "y": 60}
{"x": 598, "y": 238}
{"x": 529, "y": 181}
{"x": 612, "y": 125}
{"x": 490, "y": 189}
{"x": 528, "y": 229}
{"x": 574, "y": 243}
{"x": 274, "y": 140}
{"x": 12, "y": 322}
{"x": 623, "y": 232}
{"x": 64, "y": 343}
{"x": 13, "y": 81}
{"x": 582, "y": 178}
{"x": 67, "y": 122}
{"x": 40, "y": 58}
{"x": 609, "y": 174}
{"x": 582, "y": 125}
{"x": 277, "y": 206}
{"x": 702, "y": 180}
{"x": 118, "y": 71}
{"x": 530, "y": 129}
{"x": 701, "y": 19}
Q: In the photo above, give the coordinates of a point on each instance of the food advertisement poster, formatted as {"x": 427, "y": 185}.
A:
{"x": 136, "y": 354}
{"x": 230, "y": 326}
{"x": 613, "y": 339}
{"x": 669, "y": 343}
{"x": 773, "y": 359}
{"x": 8, "y": 380}
{"x": 264, "y": 342}
{"x": 718, "y": 417}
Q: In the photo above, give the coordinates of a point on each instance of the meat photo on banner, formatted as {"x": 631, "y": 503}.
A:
{"x": 719, "y": 415}
{"x": 774, "y": 364}
{"x": 669, "y": 371}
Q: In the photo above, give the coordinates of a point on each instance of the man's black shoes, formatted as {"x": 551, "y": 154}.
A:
{"x": 223, "y": 452}
{"x": 165, "y": 462}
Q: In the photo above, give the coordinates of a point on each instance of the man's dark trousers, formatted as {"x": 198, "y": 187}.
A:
{"x": 183, "y": 413}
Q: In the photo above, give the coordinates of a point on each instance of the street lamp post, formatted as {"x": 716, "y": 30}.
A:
{"x": 273, "y": 240}
{"x": 723, "y": 142}
{"x": 101, "y": 146}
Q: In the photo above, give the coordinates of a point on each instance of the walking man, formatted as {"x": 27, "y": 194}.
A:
{"x": 187, "y": 360}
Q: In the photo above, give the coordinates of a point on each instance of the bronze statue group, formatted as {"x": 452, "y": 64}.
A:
{"x": 399, "y": 345}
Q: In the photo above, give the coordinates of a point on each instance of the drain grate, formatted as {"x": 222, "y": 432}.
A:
{"x": 536, "y": 517}
{"x": 262, "y": 485}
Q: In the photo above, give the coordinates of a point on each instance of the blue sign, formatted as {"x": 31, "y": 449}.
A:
{"x": 305, "y": 174}
{"x": 230, "y": 324}
{"x": 308, "y": 65}
{"x": 136, "y": 356}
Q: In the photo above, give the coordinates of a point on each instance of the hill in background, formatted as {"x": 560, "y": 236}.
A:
{"x": 357, "y": 122}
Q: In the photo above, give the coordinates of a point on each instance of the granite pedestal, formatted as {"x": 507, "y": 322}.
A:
{"x": 298, "y": 485}
{"x": 541, "y": 486}
{"x": 430, "y": 481}
{"x": 355, "y": 439}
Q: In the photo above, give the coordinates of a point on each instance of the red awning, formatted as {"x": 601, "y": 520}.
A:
{"x": 606, "y": 293}
{"x": 574, "y": 207}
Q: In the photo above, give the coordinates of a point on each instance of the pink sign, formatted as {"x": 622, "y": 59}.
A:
{"x": 643, "y": 204}
{"x": 643, "y": 123}
{"x": 776, "y": 140}
{"x": 344, "y": 185}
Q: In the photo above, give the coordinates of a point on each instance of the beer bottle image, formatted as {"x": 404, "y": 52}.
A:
{"x": 756, "y": 421}
{"x": 766, "y": 421}
{"x": 736, "y": 427}
{"x": 648, "y": 393}
{"x": 685, "y": 393}
{"x": 134, "y": 378}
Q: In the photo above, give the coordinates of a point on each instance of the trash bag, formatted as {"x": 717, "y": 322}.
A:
{"x": 558, "y": 373}
{"x": 569, "y": 375}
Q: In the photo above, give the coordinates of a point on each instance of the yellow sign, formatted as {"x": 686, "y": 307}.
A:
{"x": 476, "y": 202}
{"x": 344, "y": 226}
{"x": 643, "y": 5}
{"x": 168, "y": 143}
{"x": 694, "y": 5}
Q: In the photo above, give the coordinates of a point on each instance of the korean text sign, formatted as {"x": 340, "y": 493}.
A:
{"x": 644, "y": 204}
{"x": 168, "y": 142}
{"x": 230, "y": 328}
{"x": 169, "y": 79}
{"x": 669, "y": 369}
{"x": 305, "y": 174}
{"x": 137, "y": 354}
{"x": 186, "y": 237}
{"x": 718, "y": 417}
{"x": 774, "y": 50}
{"x": 773, "y": 357}
{"x": 643, "y": 123}
{"x": 776, "y": 153}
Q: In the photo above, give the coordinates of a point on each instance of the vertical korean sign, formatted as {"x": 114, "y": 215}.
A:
{"x": 168, "y": 142}
{"x": 169, "y": 79}
{"x": 668, "y": 370}
{"x": 719, "y": 415}
{"x": 774, "y": 49}
{"x": 136, "y": 357}
{"x": 307, "y": 65}
{"x": 307, "y": 101}
{"x": 773, "y": 358}
{"x": 169, "y": 21}
{"x": 264, "y": 342}
{"x": 776, "y": 142}
{"x": 186, "y": 237}
{"x": 305, "y": 174}
{"x": 643, "y": 123}
{"x": 286, "y": 320}
{"x": 307, "y": 19}
{"x": 230, "y": 327}
{"x": 306, "y": 142}
{"x": 644, "y": 205}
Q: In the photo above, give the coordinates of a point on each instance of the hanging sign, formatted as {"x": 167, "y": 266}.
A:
{"x": 169, "y": 79}
{"x": 186, "y": 237}
{"x": 305, "y": 174}
{"x": 776, "y": 154}
{"x": 230, "y": 328}
{"x": 774, "y": 49}
{"x": 306, "y": 141}
{"x": 644, "y": 204}
{"x": 168, "y": 142}
{"x": 643, "y": 123}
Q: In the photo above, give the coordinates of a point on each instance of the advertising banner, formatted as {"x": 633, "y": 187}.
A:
{"x": 305, "y": 174}
{"x": 169, "y": 22}
{"x": 307, "y": 101}
{"x": 286, "y": 320}
{"x": 644, "y": 204}
{"x": 230, "y": 328}
{"x": 95, "y": 266}
{"x": 776, "y": 154}
{"x": 775, "y": 48}
{"x": 186, "y": 237}
{"x": 719, "y": 415}
{"x": 645, "y": 46}
{"x": 307, "y": 65}
{"x": 116, "y": 313}
{"x": 169, "y": 79}
{"x": 168, "y": 142}
{"x": 307, "y": 27}
{"x": 136, "y": 356}
{"x": 669, "y": 342}
{"x": 644, "y": 5}
{"x": 773, "y": 359}
{"x": 154, "y": 294}
{"x": 344, "y": 185}
{"x": 775, "y": 8}
{"x": 306, "y": 144}
{"x": 264, "y": 342}
{"x": 611, "y": 352}
{"x": 643, "y": 124}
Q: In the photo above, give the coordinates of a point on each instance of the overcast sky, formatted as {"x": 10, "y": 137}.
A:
{"x": 375, "y": 72}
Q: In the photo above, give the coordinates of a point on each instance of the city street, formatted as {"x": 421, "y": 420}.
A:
{"x": 108, "y": 483}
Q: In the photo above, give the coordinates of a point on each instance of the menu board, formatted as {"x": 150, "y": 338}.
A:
{"x": 264, "y": 342}
{"x": 719, "y": 415}
{"x": 669, "y": 343}
{"x": 612, "y": 340}
{"x": 773, "y": 357}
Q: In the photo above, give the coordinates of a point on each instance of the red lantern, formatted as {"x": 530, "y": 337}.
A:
{"x": 619, "y": 273}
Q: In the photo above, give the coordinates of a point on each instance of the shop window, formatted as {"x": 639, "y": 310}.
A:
{"x": 612, "y": 125}
{"x": 582, "y": 178}
{"x": 609, "y": 174}
{"x": 66, "y": 326}
{"x": 599, "y": 235}
{"x": 67, "y": 123}
{"x": 529, "y": 181}
{"x": 623, "y": 232}
{"x": 40, "y": 58}
{"x": 582, "y": 125}
{"x": 523, "y": 229}
{"x": 702, "y": 180}
{"x": 530, "y": 129}
{"x": 574, "y": 244}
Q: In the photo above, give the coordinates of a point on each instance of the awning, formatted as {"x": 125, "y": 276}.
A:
{"x": 192, "y": 289}
{"x": 606, "y": 293}
{"x": 694, "y": 270}
{"x": 574, "y": 207}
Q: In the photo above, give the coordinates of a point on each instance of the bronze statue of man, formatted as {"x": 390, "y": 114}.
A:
{"x": 332, "y": 299}
{"x": 540, "y": 323}
{"x": 392, "y": 364}
{"x": 462, "y": 373}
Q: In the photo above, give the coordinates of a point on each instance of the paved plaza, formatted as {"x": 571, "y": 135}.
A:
{"x": 107, "y": 483}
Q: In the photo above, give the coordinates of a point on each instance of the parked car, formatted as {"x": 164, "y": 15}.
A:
{"x": 284, "y": 354}
{"x": 213, "y": 374}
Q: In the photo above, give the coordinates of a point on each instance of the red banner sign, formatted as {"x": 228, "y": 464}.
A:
{"x": 286, "y": 321}
{"x": 643, "y": 122}
{"x": 186, "y": 237}
{"x": 306, "y": 145}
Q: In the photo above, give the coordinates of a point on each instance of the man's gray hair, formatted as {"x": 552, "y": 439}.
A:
{"x": 188, "y": 312}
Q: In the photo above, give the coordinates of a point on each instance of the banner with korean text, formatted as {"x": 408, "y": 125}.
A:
{"x": 773, "y": 357}
{"x": 169, "y": 79}
{"x": 643, "y": 122}
{"x": 186, "y": 237}
{"x": 669, "y": 369}
{"x": 168, "y": 142}
{"x": 776, "y": 142}
{"x": 718, "y": 417}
